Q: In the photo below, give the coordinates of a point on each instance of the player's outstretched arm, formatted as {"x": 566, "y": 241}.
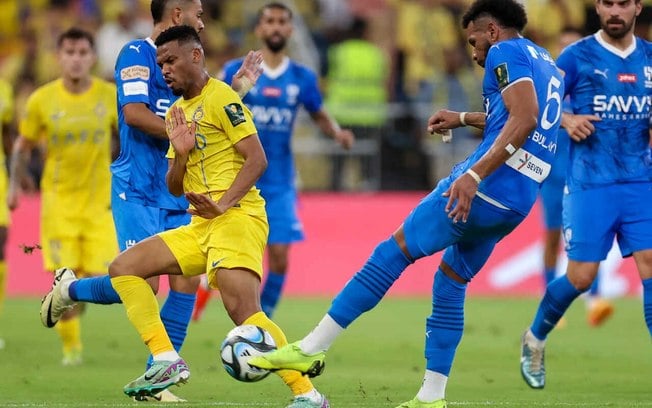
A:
{"x": 329, "y": 126}
{"x": 445, "y": 119}
{"x": 247, "y": 75}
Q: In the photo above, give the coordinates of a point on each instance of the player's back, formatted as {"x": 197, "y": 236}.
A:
{"x": 274, "y": 102}
{"x": 614, "y": 85}
{"x": 76, "y": 129}
{"x": 140, "y": 169}
{"x": 515, "y": 184}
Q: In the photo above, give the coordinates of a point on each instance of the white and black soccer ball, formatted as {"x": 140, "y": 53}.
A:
{"x": 242, "y": 343}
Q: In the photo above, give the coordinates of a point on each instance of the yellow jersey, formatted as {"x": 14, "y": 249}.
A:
{"x": 222, "y": 120}
{"x": 76, "y": 131}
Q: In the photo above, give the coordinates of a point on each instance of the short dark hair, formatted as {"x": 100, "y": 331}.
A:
{"x": 273, "y": 5}
{"x": 508, "y": 13}
{"x": 183, "y": 34}
{"x": 157, "y": 7}
{"x": 75, "y": 33}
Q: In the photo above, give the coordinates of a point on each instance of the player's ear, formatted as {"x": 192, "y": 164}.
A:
{"x": 177, "y": 16}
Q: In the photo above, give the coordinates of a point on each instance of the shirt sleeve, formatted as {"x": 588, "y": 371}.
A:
{"x": 567, "y": 63}
{"x": 234, "y": 117}
{"x": 133, "y": 70}
{"x": 507, "y": 64}
{"x": 310, "y": 95}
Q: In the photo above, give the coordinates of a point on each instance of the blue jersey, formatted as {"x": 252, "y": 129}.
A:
{"x": 614, "y": 85}
{"x": 274, "y": 102}
{"x": 139, "y": 172}
{"x": 515, "y": 184}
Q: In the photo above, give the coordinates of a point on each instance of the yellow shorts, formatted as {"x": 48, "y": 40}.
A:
{"x": 85, "y": 242}
{"x": 235, "y": 239}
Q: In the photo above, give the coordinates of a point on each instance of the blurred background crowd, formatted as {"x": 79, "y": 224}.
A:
{"x": 385, "y": 66}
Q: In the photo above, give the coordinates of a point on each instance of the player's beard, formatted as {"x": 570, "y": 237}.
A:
{"x": 619, "y": 31}
{"x": 275, "y": 43}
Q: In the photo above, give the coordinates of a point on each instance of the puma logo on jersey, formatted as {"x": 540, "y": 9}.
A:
{"x": 135, "y": 47}
{"x": 602, "y": 73}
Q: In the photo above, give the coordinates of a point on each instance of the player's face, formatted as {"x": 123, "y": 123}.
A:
{"x": 274, "y": 28}
{"x": 176, "y": 62}
{"x": 617, "y": 17}
{"x": 478, "y": 37}
{"x": 191, "y": 16}
{"x": 76, "y": 58}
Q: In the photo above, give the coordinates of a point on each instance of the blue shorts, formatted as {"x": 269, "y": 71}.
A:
{"x": 135, "y": 221}
{"x": 592, "y": 218}
{"x": 284, "y": 224}
{"x": 552, "y": 194}
{"x": 468, "y": 245}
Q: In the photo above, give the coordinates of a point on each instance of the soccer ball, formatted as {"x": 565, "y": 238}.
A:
{"x": 242, "y": 343}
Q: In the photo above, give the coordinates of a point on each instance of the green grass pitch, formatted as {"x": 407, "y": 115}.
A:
{"x": 378, "y": 362}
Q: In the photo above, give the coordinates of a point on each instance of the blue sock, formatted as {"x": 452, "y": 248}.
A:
{"x": 271, "y": 293}
{"x": 175, "y": 314}
{"x": 97, "y": 289}
{"x": 445, "y": 325}
{"x": 559, "y": 296}
{"x": 370, "y": 284}
{"x": 647, "y": 303}
{"x": 549, "y": 275}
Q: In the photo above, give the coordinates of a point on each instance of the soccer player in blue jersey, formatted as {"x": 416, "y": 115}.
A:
{"x": 608, "y": 76}
{"x": 552, "y": 192}
{"x": 141, "y": 203}
{"x": 483, "y": 199}
{"x": 283, "y": 87}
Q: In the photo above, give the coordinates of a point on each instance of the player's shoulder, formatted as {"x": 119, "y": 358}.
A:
{"x": 139, "y": 51}
{"x": 301, "y": 68}
{"x": 104, "y": 85}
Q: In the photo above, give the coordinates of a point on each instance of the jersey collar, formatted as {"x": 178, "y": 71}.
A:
{"x": 621, "y": 53}
{"x": 278, "y": 71}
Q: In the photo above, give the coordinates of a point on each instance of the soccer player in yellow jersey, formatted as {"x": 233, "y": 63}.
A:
{"x": 215, "y": 160}
{"x": 6, "y": 128}
{"x": 75, "y": 117}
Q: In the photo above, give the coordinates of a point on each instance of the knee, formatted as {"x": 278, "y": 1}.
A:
{"x": 581, "y": 281}
{"x": 240, "y": 309}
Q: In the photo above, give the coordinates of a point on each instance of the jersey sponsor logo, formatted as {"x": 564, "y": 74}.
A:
{"x": 502, "y": 75}
{"x": 135, "y": 47}
{"x": 272, "y": 92}
{"x": 135, "y": 88}
{"x": 529, "y": 165}
{"x": 272, "y": 115}
{"x": 628, "y": 78}
{"x": 622, "y": 107}
{"x": 134, "y": 72}
{"x": 235, "y": 113}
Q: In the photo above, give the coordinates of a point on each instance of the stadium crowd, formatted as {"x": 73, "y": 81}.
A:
{"x": 419, "y": 76}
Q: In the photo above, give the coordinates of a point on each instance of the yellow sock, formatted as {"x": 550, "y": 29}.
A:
{"x": 3, "y": 279}
{"x": 142, "y": 311}
{"x": 70, "y": 333}
{"x": 298, "y": 383}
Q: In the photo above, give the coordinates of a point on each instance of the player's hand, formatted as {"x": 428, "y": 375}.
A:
{"x": 443, "y": 120}
{"x": 204, "y": 206}
{"x": 579, "y": 127}
{"x": 460, "y": 195}
{"x": 345, "y": 138}
{"x": 180, "y": 134}
{"x": 247, "y": 75}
